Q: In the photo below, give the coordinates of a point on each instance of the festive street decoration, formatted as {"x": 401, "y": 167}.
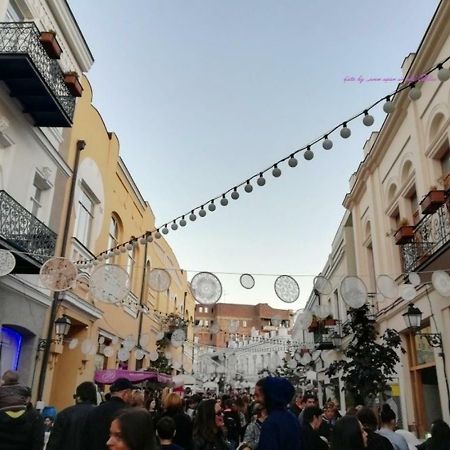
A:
{"x": 58, "y": 274}
{"x": 206, "y": 288}
{"x": 109, "y": 283}
{"x": 7, "y": 262}
{"x": 287, "y": 289}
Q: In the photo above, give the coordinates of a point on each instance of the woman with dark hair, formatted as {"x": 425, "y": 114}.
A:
{"x": 132, "y": 430}
{"x": 440, "y": 437}
{"x": 388, "y": 421}
{"x": 348, "y": 434}
{"x": 369, "y": 421}
{"x": 208, "y": 427}
{"x": 173, "y": 405}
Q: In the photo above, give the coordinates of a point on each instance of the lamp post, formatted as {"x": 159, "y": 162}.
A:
{"x": 62, "y": 328}
{"x": 413, "y": 321}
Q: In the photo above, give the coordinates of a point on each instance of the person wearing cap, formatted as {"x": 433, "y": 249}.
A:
{"x": 68, "y": 429}
{"x": 100, "y": 418}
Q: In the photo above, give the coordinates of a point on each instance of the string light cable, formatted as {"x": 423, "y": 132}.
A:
{"x": 345, "y": 132}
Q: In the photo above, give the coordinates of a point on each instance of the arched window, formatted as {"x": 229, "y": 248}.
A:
{"x": 113, "y": 236}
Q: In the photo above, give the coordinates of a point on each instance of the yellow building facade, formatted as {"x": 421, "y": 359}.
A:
{"x": 107, "y": 210}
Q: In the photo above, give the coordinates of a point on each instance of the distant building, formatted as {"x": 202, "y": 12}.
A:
{"x": 220, "y": 323}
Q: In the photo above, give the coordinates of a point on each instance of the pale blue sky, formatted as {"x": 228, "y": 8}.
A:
{"x": 204, "y": 93}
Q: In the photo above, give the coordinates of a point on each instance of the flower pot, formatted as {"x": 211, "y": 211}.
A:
{"x": 404, "y": 235}
{"x": 432, "y": 202}
{"x": 50, "y": 44}
{"x": 314, "y": 326}
{"x": 72, "y": 83}
{"x": 329, "y": 322}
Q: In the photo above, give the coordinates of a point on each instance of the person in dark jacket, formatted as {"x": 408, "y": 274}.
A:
{"x": 183, "y": 424}
{"x": 312, "y": 420}
{"x": 281, "y": 429}
{"x": 21, "y": 428}
{"x": 68, "y": 429}
{"x": 232, "y": 422}
{"x": 369, "y": 421}
{"x": 100, "y": 418}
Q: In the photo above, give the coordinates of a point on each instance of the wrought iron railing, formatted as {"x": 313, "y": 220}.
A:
{"x": 430, "y": 234}
{"x": 23, "y": 38}
{"x": 24, "y": 231}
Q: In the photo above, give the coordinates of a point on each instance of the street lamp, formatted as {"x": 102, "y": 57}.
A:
{"x": 62, "y": 328}
{"x": 413, "y": 320}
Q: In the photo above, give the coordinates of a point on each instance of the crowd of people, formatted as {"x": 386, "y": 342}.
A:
{"x": 273, "y": 418}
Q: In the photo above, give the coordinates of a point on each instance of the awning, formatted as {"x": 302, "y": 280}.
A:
{"x": 110, "y": 375}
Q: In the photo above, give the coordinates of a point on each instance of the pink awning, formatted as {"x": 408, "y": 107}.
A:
{"x": 110, "y": 375}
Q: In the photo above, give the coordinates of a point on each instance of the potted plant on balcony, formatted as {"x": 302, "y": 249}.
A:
{"x": 50, "y": 44}
{"x": 314, "y": 326}
{"x": 404, "y": 234}
{"x": 73, "y": 84}
{"x": 433, "y": 200}
{"x": 329, "y": 321}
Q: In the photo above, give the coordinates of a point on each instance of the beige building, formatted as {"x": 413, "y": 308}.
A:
{"x": 108, "y": 210}
{"x": 402, "y": 163}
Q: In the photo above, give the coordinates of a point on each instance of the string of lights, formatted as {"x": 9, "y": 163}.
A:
{"x": 211, "y": 205}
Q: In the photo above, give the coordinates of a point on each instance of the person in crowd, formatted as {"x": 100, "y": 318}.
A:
{"x": 183, "y": 424}
{"x": 349, "y": 434}
{"x": 208, "y": 431}
{"x": 253, "y": 430}
{"x": 388, "y": 425}
{"x": 440, "y": 437}
{"x": 241, "y": 409}
{"x": 12, "y": 393}
{"x": 328, "y": 422}
{"x": 166, "y": 431}
{"x": 369, "y": 422}
{"x": 132, "y": 430}
{"x": 312, "y": 420}
{"x": 99, "y": 420}
{"x": 21, "y": 426}
{"x": 48, "y": 424}
{"x": 193, "y": 405}
{"x": 281, "y": 429}
{"x": 232, "y": 422}
{"x": 410, "y": 438}
{"x": 309, "y": 399}
{"x": 70, "y": 423}
{"x": 137, "y": 398}
{"x": 297, "y": 405}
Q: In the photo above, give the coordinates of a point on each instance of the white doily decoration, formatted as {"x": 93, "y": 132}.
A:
{"x": 153, "y": 356}
{"x": 408, "y": 292}
{"x": 159, "y": 335}
{"x": 233, "y": 327}
{"x": 159, "y": 280}
{"x": 7, "y": 262}
{"x": 115, "y": 340}
{"x": 145, "y": 339}
{"x": 87, "y": 346}
{"x": 287, "y": 289}
{"x": 353, "y": 292}
{"x": 304, "y": 319}
{"x": 73, "y": 343}
{"x": 387, "y": 287}
{"x": 139, "y": 354}
{"x": 109, "y": 283}
{"x": 292, "y": 364}
{"x": 206, "y": 288}
{"x": 441, "y": 282}
{"x": 58, "y": 274}
{"x": 123, "y": 355}
{"x": 108, "y": 351}
{"x": 414, "y": 278}
{"x": 176, "y": 365}
{"x": 178, "y": 338}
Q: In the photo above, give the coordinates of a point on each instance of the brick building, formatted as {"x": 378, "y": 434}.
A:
{"x": 216, "y": 324}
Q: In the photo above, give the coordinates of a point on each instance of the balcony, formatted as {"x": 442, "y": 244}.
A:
{"x": 32, "y": 77}
{"x": 21, "y": 231}
{"x": 429, "y": 244}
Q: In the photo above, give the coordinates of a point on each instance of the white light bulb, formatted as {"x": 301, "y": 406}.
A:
{"x": 309, "y": 154}
{"x": 123, "y": 249}
{"x": 235, "y": 195}
{"x": 327, "y": 144}
{"x": 414, "y": 93}
{"x": 129, "y": 246}
{"x": 293, "y": 161}
{"x": 345, "y": 132}
{"x": 224, "y": 201}
{"x": 174, "y": 226}
{"x": 368, "y": 120}
{"x": 165, "y": 230}
{"x": 183, "y": 222}
{"x": 276, "y": 172}
{"x": 388, "y": 107}
{"x": 202, "y": 213}
{"x": 261, "y": 180}
{"x": 248, "y": 187}
{"x": 212, "y": 207}
{"x": 157, "y": 235}
{"x": 443, "y": 74}
{"x": 192, "y": 217}
{"x": 150, "y": 237}
{"x": 142, "y": 241}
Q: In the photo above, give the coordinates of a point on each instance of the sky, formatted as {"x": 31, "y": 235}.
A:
{"x": 205, "y": 93}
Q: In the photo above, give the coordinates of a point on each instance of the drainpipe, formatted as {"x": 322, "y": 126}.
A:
{"x": 65, "y": 237}
{"x": 141, "y": 299}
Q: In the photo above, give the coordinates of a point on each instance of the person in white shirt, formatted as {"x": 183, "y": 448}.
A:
{"x": 388, "y": 426}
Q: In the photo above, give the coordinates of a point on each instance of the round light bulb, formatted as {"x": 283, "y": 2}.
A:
{"x": 174, "y": 226}
{"x": 368, "y": 119}
{"x": 345, "y": 132}
{"x": 309, "y": 154}
{"x": 235, "y": 194}
{"x": 261, "y": 181}
{"x": 192, "y": 217}
{"x": 292, "y": 161}
{"x": 150, "y": 237}
{"x": 327, "y": 144}
{"x": 183, "y": 222}
{"x": 123, "y": 249}
{"x": 157, "y": 234}
{"x": 212, "y": 206}
{"x": 443, "y": 74}
{"x": 224, "y": 201}
{"x": 129, "y": 246}
{"x": 142, "y": 241}
{"x": 276, "y": 172}
{"x": 388, "y": 107}
{"x": 117, "y": 251}
{"x": 100, "y": 257}
{"x": 202, "y": 212}
{"x": 165, "y": 230}
{"x": 248, "y": 187}
{"x": 414, "y": 93}
{"x": 96, "y": 262}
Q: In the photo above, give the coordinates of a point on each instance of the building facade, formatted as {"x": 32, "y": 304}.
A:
{"x": 37, "y": 104}
{"x": 404, "y": 164}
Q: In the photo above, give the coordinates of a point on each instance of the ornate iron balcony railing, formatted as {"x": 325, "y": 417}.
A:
{"x": 18, "y": 38}
{"x": 23, "y": 231}
{"x": 430, "y": 235}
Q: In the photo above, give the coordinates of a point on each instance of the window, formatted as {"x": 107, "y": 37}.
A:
{"x": 11, "y": 345}
{"x": 244, "y": 323}
{"x": 131, "y": 262}
{"x": 200, "y": 309}
{"x": 101, "y": 361}
{"x": 206, "y": 309}
{"x": 13, "y": 13}
{"x": 113, "y": 238}
{"x": 414, "y": 205}
{"x": 36, "y": 200}
{"x": 445, "y": 165}
{"x": 206, "y": 323}
{"x": 85, "y": 218}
